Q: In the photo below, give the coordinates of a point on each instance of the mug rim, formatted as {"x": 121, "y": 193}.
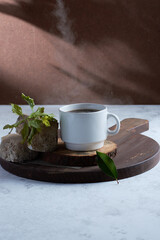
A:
{"x": 76, "y": 106}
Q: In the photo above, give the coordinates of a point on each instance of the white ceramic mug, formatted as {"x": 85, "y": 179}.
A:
{"x": 85, "y": 131}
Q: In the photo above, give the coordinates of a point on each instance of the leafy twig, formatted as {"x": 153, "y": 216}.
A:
{"x": 32, "y": 123}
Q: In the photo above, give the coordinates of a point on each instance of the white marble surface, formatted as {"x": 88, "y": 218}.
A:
{"x": 32, "y": 210}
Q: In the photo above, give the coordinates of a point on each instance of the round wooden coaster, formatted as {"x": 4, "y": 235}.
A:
{"x": 65, "y": 157}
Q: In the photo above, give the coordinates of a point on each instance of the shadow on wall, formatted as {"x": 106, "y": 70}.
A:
{"x": 10, "y": 93}
{"x": 88, "y": 18}
{"x": 135, "y": 23}
{"x": 36, "y": 12}
{"x": 118, "y": 89}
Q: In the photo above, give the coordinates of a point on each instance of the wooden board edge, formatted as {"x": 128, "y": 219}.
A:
{"x": 83, "y": 176}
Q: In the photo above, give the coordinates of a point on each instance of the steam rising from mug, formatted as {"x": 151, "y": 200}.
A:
{"x": 64, "y": 23}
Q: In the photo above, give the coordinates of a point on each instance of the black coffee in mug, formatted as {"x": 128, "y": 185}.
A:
{"x": 83, "y": 110}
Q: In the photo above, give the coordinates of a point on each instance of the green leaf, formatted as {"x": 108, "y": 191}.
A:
{"x": 8, "y": 126}
{"x": 13, "y": 125}
{"x": 29, "y": 100}
{"x": 25, "y": 132}
{"x": 45, "y": 121}
{"x": 42, "y": 114}
{"x": 107, "y": 165}
{"x": 16, "y": 109}
{"x": 35, "y": 123}
{"x": 40, "y": 110}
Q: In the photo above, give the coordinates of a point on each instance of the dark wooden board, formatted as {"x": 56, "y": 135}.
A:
{"x": 135, "y": 154}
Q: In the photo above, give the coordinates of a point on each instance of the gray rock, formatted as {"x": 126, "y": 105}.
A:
{"x": 12, "y": 149}
{"x": 47, "y": 139}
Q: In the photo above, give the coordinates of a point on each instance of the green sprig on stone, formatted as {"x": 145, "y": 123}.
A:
{"x": 31, "y": 124}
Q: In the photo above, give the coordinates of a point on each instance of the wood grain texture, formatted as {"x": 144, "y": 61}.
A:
{"x": 136, "y": 154}
{"x": 63, "y": 156}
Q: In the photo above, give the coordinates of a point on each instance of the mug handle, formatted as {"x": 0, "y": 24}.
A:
{"x": 116, "y": 130}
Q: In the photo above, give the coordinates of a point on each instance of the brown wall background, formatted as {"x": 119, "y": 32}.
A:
{"x": 60, "y": 52}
